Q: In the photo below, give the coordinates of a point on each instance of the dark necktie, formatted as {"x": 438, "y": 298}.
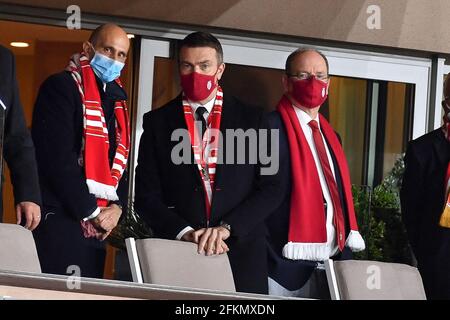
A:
{"x": 338, "y": 216}
{"x": 199, "y": 114}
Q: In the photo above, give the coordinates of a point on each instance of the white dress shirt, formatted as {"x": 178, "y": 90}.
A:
{"x": 304, "y": 119}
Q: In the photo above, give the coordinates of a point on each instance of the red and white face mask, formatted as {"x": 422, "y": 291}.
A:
{"x": 310, "y": 93}
{"x": 197, "y": 86}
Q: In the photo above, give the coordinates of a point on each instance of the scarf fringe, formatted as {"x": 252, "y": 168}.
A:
{"x": 306, "y": 251}
{"x": 101, "y": 190}
{"x": 355, "y": 241}
{"x": 320, "y": 251}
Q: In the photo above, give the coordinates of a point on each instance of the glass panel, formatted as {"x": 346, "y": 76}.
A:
{"x": 255, "y": 86}
{"x": 347, "y": 113}
{"x": 165, "y": 81}
{"x": 395, "y": 124}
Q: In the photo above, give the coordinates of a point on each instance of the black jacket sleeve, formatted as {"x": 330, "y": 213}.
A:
{"x": 268, "y": 192}
{"x": 18, "y": 148}
{"x": 57, "y": 136}
{"x": 149, "y": 202}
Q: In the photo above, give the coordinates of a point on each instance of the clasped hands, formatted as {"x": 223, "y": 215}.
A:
{"x": 106, "y": 221}
{"x": 210, "y": 240}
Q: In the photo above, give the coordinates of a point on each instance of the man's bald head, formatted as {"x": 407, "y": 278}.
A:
{"x": 104, "y": 29}
{"x": 110, "y": 40}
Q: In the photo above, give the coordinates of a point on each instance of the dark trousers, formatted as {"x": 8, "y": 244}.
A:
{"x": 62, "y": 248}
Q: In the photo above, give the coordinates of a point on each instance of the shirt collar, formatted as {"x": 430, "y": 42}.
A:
{"x": 305, "y": 118}
{"x": 209, "y": 105}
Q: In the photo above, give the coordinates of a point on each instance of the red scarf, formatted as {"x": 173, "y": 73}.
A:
{"x": 445, "y": 217}
{"x": 102, "y": 180}
{"x": 307, "y": 238}
{"x": 206, "y": 163}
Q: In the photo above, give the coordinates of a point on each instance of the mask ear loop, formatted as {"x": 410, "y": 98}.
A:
{"x": 93, "y": 49}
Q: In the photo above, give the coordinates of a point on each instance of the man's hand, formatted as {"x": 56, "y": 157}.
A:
{"x": 212, "y": 238}
{"x": 32, "y": 213}
{"x": 107, "y": 220}
{"x": 212, "y": 241}
{"x": 193, "y": 235}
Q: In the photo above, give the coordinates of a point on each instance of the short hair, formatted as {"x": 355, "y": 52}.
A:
{"x": 202, "y": 39}
{"x": 300, "y": 51}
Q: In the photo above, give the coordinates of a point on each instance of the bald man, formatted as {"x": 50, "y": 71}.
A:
{"x": 317, "y": 219}
{"x": 424, "y": 195}
{"x": 81, "y": 133}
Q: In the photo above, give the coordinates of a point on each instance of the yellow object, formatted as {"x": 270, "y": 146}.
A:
{"x": 445, "y": 217}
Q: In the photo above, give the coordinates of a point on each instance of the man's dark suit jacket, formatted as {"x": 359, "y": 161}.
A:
{"x": 18, "y": 148}
{"x": 170, "y": 197}
{"x": 292, "y": 274}
{"x": 422, "y": 200}
{"x": 57, "y": 133}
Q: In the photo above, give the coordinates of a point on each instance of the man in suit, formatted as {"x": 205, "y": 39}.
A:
{"x": 316, "y": 221}
{"x": 81, "y": 132}
{"x": 423, "y": 200}
{"x": 18, "y": 148}
{"x": 219, "y": 206}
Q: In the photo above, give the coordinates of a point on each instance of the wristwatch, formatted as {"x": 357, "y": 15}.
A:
{"x": 225, "y": 225}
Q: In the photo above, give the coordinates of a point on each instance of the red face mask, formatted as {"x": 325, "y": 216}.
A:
{"x": 197, "y": 86}
{"x": 310, "y": 93}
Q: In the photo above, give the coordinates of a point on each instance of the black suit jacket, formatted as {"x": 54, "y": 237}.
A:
{"x": 423, "y": 191}
{"x": 291, "y": 274}
{"x": 57, "y": 132}
{"x": 422, "y": 201}
{"x": 170, "y": 197}
{"x": 18, "y": 148}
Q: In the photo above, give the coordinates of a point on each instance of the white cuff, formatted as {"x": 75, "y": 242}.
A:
{"x": 93, "y": 215}
{"x": 182, "y": 232}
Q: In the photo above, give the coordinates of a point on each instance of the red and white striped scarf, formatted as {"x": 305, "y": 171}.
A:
{"x": 206, "y": 163}
{"x": 102, "y": 180}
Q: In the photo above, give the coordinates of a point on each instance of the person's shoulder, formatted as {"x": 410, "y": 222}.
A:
{"x": 274, "y": 119}
{"x": 242, "y": 109}
{"x": 427, "y": 140}
{"x": 58, "y": 81}
{"x": 164, "y": 110}
{"x": 59, "y": 78}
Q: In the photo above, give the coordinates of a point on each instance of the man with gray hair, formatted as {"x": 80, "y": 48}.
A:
{"x": 317, "y": 219}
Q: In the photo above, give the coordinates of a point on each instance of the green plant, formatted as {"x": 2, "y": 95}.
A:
{"x": 380, "y": 221}
{"x": 371, "y": 229}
